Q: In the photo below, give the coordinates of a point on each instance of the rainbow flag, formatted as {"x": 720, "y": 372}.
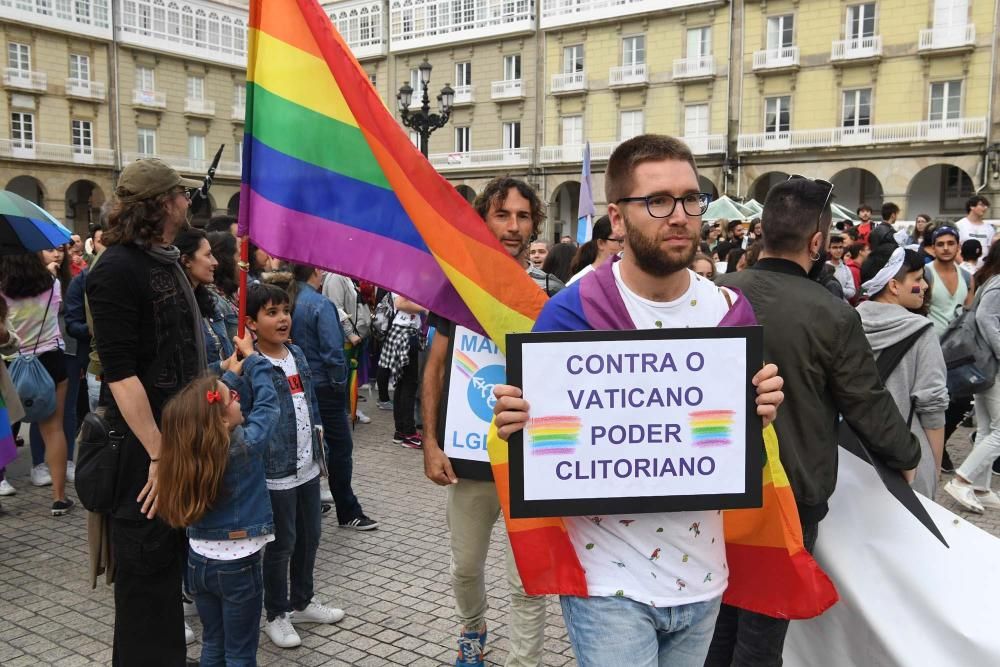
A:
{"x": 330, "y": 179}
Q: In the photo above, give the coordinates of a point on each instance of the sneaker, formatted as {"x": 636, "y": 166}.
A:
{"x": 281, "y": 633}
{"x": 361, "y": 523}
{"x": 61, "y": 507}
{"x": 398, "y": 438}
{"x": 384, "y": 405}
{"x": 70, "y": 471}
{"x": 188, "y": 634}
{"x": 946, "y": 464}
{"x": 470, "y": 649}
{"x": 363, "y": 418}
{"x": 318, "y": 613}
{"x": 40, "y": 475}
{"x": 6, "y": 489}
{"x": 988, "y": 499}
{"x": 964, "y": 495}
{"x": 413, "y": 441}
{"x": 325, "y": 495}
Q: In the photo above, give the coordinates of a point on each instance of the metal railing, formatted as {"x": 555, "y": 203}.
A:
{"x": 690, "y": 68}
{"x": 497, "y": 157}
{"x": 500, "y": 90}
{"x": 628, "y": 75}
{"x": 14, "y": 77}
{"x": 571, "y": 81}
{"x": 927, "y": 130}
{"x": 947, "y": 37}
{"x": 786, "y": 56}
{"x": 859, "y": 47}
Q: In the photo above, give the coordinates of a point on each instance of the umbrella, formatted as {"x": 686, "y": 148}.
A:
{"x": 841, "y": 213}
{"x": 26, "y": 227}
{"x": 725, "y": 208}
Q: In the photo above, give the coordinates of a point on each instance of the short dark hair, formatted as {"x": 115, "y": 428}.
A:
{"x": 836, "y": 238}
{"x": 854, "y": 250}
{"x": 220, "y": 223}
{"x": 261, "y": 294}
{"x": 630, "y": 154}
{"x": 602, "y": 229}
{"x": 558, "y": 261}
{"x": 495, "y": 193}
{"x": 888, "y": 209}
{"x": 791, "y": 211}
{"x": 975, "y": 200}
{"x": 864, "y": 207}
{"x": 912, "y": 262}
{"x": 733, "y": 224}
{"x": 972, "y": 250}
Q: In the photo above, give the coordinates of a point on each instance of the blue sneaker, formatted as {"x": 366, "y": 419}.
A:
{"x": 471, "y": 646}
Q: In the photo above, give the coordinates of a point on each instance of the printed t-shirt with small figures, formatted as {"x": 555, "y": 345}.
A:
{"x": 305, "y": 467}
{"x": 665, "y": 559}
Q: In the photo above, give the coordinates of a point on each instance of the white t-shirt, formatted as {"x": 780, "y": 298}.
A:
{"x": 580, "y": 274}
{"x": 229, "y": 549}
{"x": 306, "y": 468}
{"x": 666, "y": 559}
{"x": 983, "y": 232}
{"x": 405, "y": 319}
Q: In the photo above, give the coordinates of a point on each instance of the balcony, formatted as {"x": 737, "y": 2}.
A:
{"x": 556, "y": 13}
{"x": 238, "y": 112}
{"x": 948, "y": 38}
{"x": 150, "y": 99}
{"x": 85, "y": 89}
{"x": 499, "y": 157}
{"x": 708, "y": 144}
{"x": 21, "y": 79}
{"x": 628, "y": 76}
{"x": 463, "y": 95}
{"x": 89, "y": 19}
{"x": 507, "y": 90}
{"x": 32, "y": 150}
{"x": 217, "y": 34}
{"x": 360, "y": 24}
{"x": 956, "y": 129}
{"x": 697, "y": 68}
{"x": 860, "y": 48}
{"x": 196, "y": 167}
{"x": 418, "y": 24}
{"x": 599, "y": 152}
{"x": 194, "y": 106}
{"x": 783, "y": 58}
{"x": 572, "y": 82}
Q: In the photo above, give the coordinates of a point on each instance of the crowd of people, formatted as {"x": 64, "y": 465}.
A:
{"x": 234, "y": 446}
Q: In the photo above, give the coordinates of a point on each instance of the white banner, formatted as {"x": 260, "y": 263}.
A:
{"x": 906, "y": 599}
{"x": 476, "y": 367}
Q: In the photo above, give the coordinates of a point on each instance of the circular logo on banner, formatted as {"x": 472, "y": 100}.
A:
{"x": 481, "y": 398}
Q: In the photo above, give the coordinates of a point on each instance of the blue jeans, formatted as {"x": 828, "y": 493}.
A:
{"x": 292, "y": 555}
{"x": 619, "y": 632}
{"x": 339, "y": 450}
{"x": 228, "y": 594}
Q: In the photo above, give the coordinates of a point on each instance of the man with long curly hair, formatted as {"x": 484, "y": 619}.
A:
{"x": 150, "y": 342}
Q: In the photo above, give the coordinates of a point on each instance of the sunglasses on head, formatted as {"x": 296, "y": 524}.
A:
{"x": 829, "y": 193}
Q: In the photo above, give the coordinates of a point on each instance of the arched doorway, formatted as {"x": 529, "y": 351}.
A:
{"x": 201, "y": 211}
{"x": 563, "y": 211}
{"x": 83, "y": 205}
{"x": 764, "y": 183}
{"x": 939, "y": 191}
{"x": 233, "y": 207}
{"x": 28, "y": 187}
{"x": 854, "y": 187}
{"x": 708, "y": 186}
{"x": 468, "y": 193}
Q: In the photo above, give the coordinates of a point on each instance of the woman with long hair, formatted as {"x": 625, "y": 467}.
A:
{"x": 199, "y": 266}
{"x": 226, "y": 284}
{"x": 971, "y": 484}
{"x": 33, "y": 299}
{"x": 559, "y": 261}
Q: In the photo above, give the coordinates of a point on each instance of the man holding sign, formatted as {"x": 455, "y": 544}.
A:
{"x": 655, "y": 581}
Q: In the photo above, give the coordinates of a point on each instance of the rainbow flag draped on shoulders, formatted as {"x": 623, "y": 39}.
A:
{"x": 330, "y": 179}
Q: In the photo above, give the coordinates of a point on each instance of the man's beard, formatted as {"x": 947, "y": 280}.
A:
{"x": 651, "y": 259}
{"x": 522, "y": 252}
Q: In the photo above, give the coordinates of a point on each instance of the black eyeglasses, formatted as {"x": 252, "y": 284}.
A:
{"x": 661, "y": 206}
{"x": 829, "y": 193}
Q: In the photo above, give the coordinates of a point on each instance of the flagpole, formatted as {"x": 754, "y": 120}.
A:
{"x": 244, "y": 267}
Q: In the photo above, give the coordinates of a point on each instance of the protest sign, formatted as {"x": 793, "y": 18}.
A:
{"x": 467, "y": 410}
{"x": 636, "y": 421}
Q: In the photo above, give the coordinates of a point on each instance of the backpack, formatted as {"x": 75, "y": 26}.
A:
{"x": 972, "y": 367}
{"x": 34, "y": 385}
{"x": 385, "y": 313}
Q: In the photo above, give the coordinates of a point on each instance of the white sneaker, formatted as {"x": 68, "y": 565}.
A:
{"x": 281, "y": 633}
{"x": 70, "y": 471}
{"x": 188, "y": 634}
{"x": 318, "y": 613}
{"x": 6, "y": 489}
{"x": 190, "y": 610}
{"x": 363, "y": 418}
{"x": 40, "y": 475}
{"x": 964, "y": 495}
{"x": 989, "y": 499}
{"x": 325, "y": 496}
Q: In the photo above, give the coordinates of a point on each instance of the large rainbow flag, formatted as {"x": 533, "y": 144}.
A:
{"x": 330, "y": 179}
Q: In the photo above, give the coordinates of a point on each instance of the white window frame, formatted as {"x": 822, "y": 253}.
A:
{"x": 146, "y": 140}
{"x": 946, "y": 94}
{"x": 22, "y": 129}
{"x": 782, "y": 105}
{"x": 854, "y": 28}
{"x": 950, "y": 14}
{"x": 82, "y": 136}
{"x": 463, "y": 73}
{"x": 79, "y": 66}
{"x": 697, "y": 120}
{"x": 572, "y": 59}
{"x": 699, "y": 42}
{"x": 571, "y": 130}
{"x": 196, "y": 146}
{"x": 463, "y": 138}
{"x": 633, "y": 50}
{"x": 19, "y": 56}
{"x": 512, "y": 67}
{"x": 854, "y": 123}
{"x": 511, "y": 134}
{"x": 196, "y": 88}
{"x": 145, "y": 79}
{"x": 631, "y": 123}
{"x": 778, "y": 27}
{"x": 240, "y": 95}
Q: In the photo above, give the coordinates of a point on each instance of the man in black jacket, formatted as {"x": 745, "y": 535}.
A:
{"x": 818, "y": 343}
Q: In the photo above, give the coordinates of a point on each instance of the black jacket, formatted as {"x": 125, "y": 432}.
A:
{"x": 821, "y": 352}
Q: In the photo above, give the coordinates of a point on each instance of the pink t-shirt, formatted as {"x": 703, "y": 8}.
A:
{"x": 25, "y": 318}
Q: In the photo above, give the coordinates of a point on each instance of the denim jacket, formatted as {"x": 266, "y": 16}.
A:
{"x": 316, "y": 329}
{"x": 242, "y": 507}
{"x": 216, "y": 330}
{"x": 280, "y": 458}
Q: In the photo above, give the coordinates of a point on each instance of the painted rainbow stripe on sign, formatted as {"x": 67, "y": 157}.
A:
{"x": 711, "y": 428}
{"x": 465, "y": 364}
{"x": 554, "y": 435}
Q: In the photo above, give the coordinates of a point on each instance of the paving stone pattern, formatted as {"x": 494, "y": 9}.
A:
{"x": 393, "y": 582}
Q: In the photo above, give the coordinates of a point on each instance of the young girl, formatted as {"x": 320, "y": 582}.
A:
{"x": 212, "y": 471}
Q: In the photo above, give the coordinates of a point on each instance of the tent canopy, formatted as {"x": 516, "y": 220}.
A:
{"x": 726, "y": 208}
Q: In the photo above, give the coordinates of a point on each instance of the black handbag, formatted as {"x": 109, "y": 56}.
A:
{"x": 98, "y": 448}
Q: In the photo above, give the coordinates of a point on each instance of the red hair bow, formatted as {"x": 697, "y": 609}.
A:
{"x": 213, "y": 396}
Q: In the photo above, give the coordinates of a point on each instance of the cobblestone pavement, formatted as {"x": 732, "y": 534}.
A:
{"x": 393, "y": 582}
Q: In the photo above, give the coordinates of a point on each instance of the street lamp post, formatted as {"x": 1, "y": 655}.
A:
{"x": 423, "y": 121}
